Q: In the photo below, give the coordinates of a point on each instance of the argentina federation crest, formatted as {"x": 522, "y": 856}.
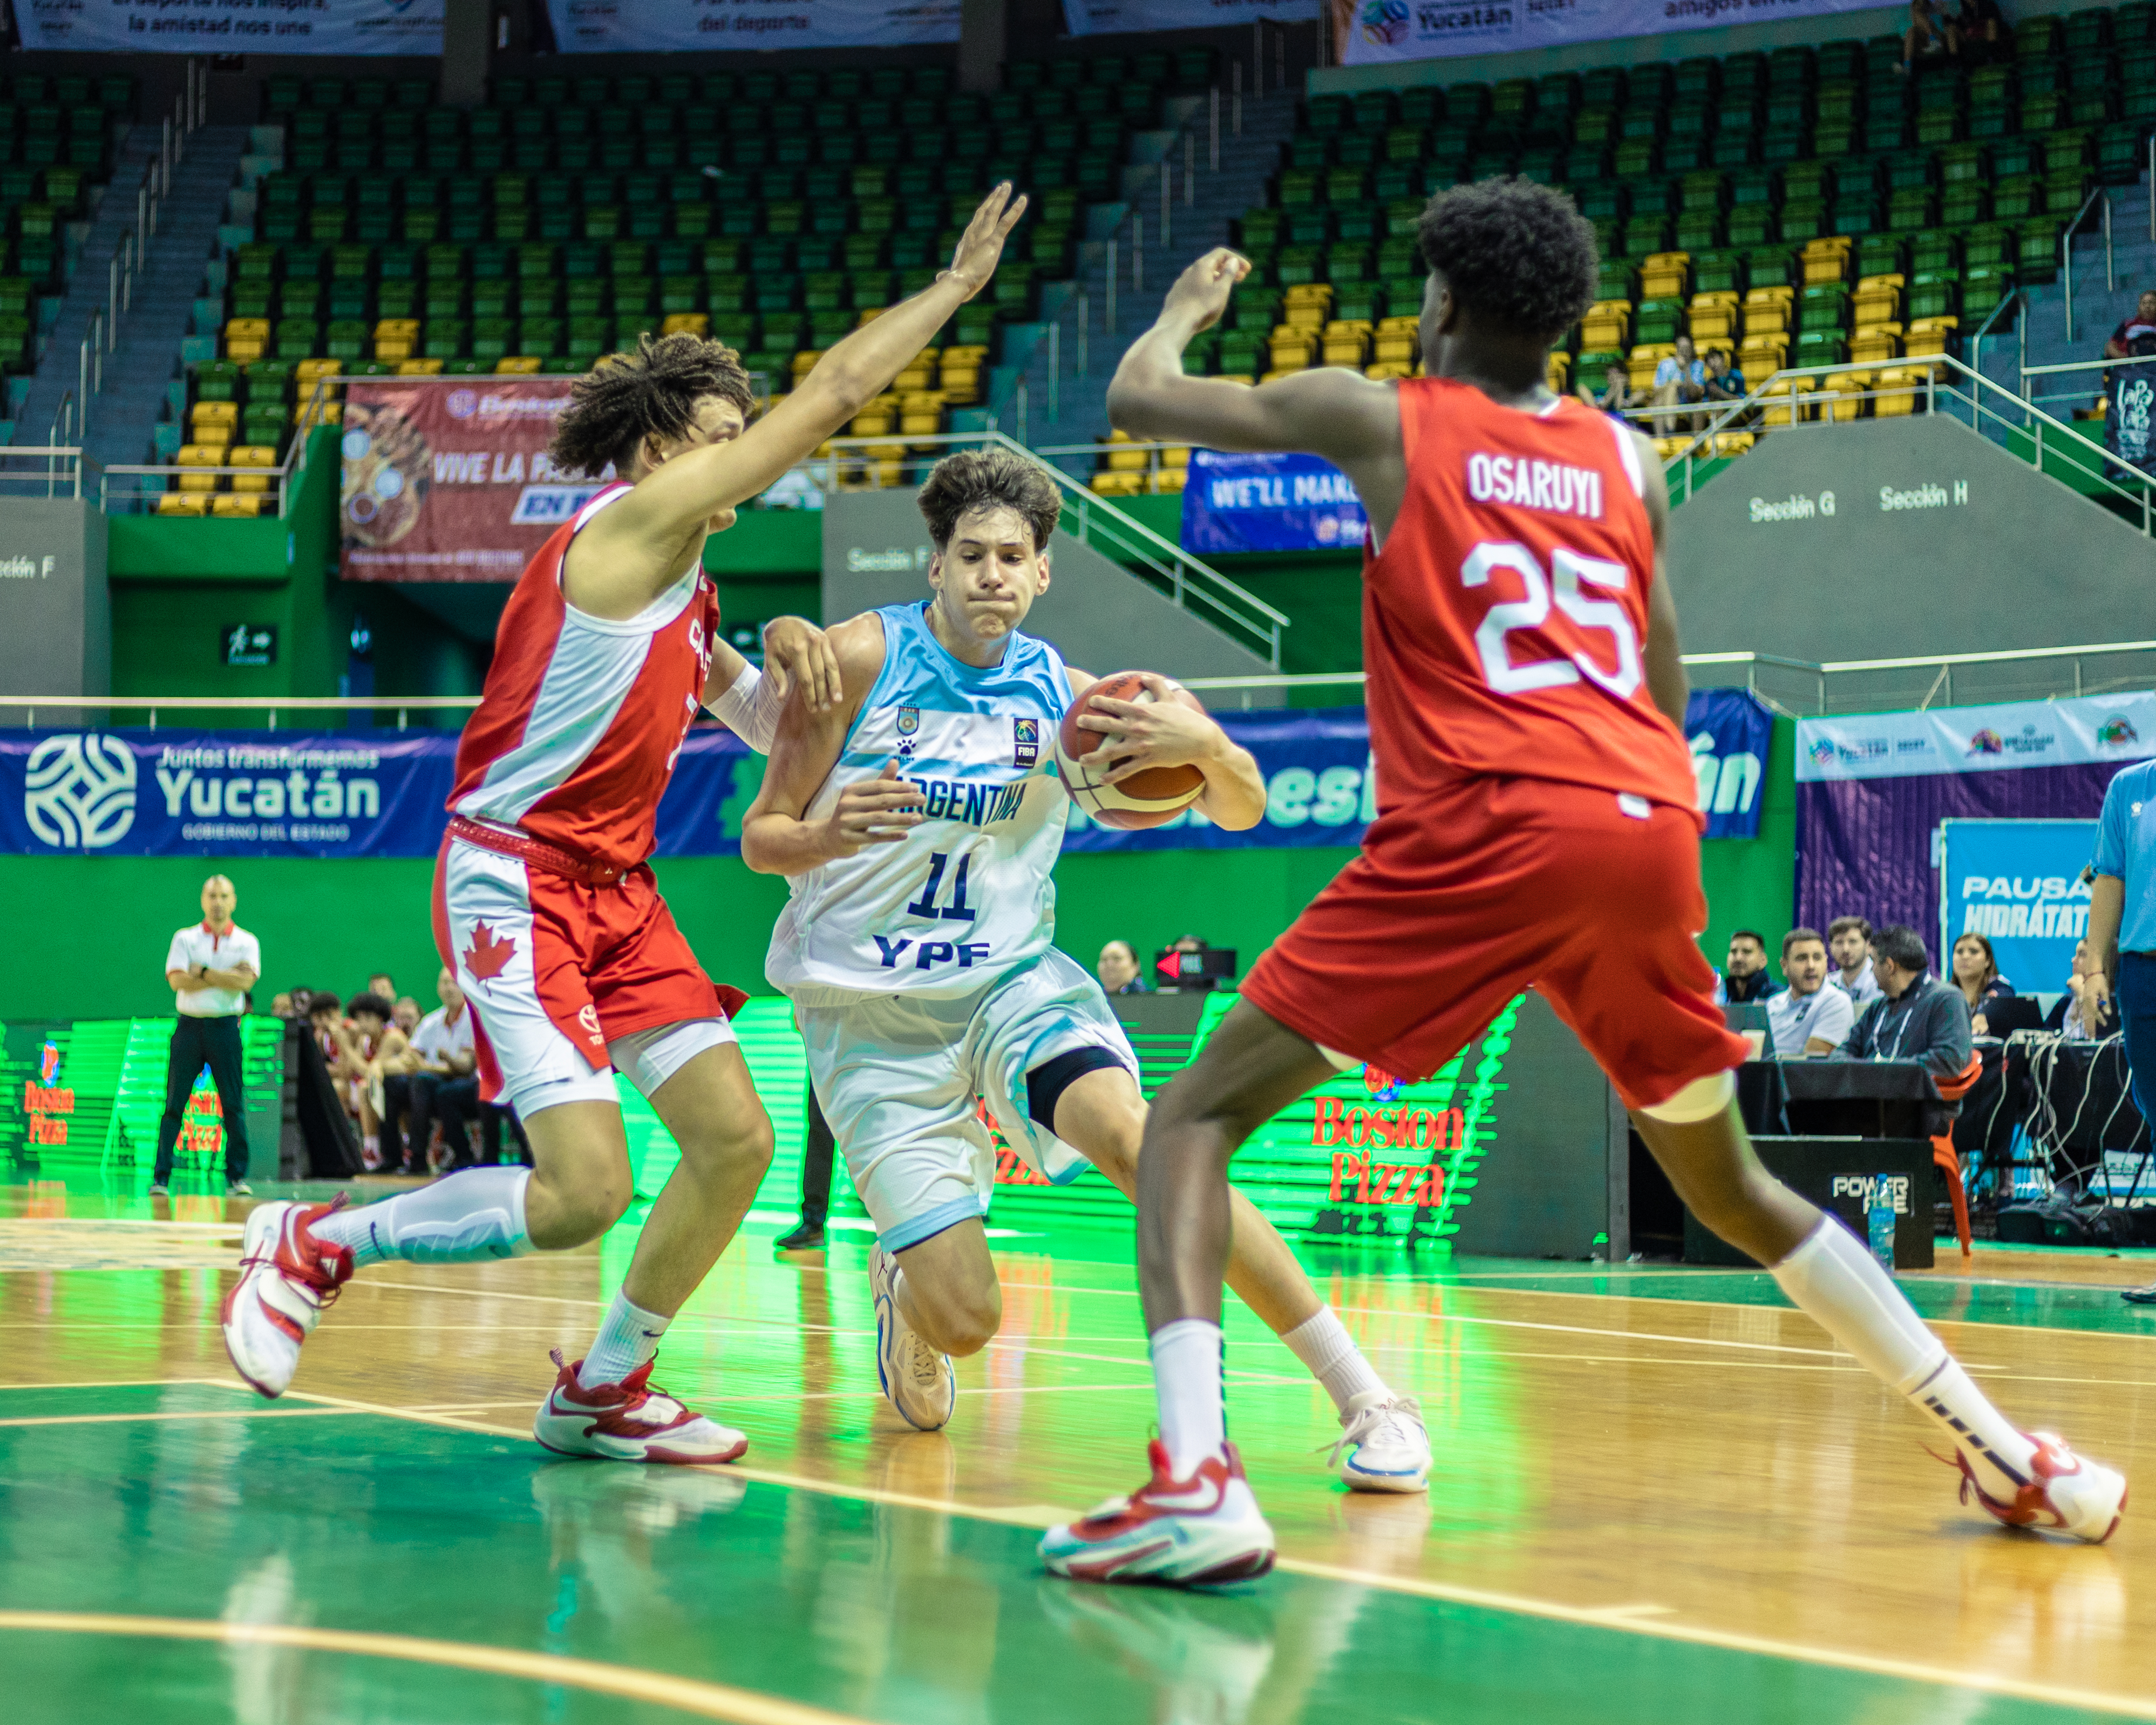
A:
{"x": 909, "y": 723}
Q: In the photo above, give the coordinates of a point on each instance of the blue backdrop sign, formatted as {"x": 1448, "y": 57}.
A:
{"x": 2017, "y": 882}
{"x": 1235, "y": 503}
{"x": 381, "y": 793}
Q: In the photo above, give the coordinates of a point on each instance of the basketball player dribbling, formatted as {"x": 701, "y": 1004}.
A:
{"x": 1537, "y": 826}
{"x": 917, "y": 821}
{"x": 545, "y": 906}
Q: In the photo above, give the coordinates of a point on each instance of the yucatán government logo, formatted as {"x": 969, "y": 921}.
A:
{"x": 78, "y": 791}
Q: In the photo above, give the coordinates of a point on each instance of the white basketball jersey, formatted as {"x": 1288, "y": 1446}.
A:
{"x": 968, "y": 894}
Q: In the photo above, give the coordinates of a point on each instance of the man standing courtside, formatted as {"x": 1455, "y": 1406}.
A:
{"x": 2119, "y": 989}
{"x": 210, "y": 966}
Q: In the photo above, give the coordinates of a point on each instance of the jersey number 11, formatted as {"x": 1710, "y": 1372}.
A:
{"x": 958, "y": 911}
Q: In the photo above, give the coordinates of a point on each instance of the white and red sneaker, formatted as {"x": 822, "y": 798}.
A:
{"x": 2070, "y": 1494}
{"x": 1188, "y": 1532}
{"x": 628, "y": 1421}
{"x": 286, "y": 1278}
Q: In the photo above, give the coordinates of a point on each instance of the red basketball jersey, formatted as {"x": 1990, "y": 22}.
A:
{"x": 1503, "y": 619}
{"x": 576, "y": 735}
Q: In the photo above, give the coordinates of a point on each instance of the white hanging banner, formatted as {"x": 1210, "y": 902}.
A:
{"x": 1379, "y": 32}
{"x": 405, "y": 27}
{"x": 700, "y": 26}
{"x": 1103, "y": 17}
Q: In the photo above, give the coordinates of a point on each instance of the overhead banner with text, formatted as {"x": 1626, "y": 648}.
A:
{"x": 413, "y": 26}
{"x": 449, "y": 481}
{"x": 380, "y": 793}
{"x": 1380, "y": 32}
{"x": 701, "y": 26}
{"x": 1239, "y": 503}
{"x": 2018, "y": 883}
{"x": 1103, "y": 17}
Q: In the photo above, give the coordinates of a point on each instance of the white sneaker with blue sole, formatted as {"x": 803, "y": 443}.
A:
{"x": 917, "y": 1380}
{"x": 1383, "y": 1446}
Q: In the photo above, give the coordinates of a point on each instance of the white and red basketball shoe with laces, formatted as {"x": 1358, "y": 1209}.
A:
{"x": 1189, "y": 1532}
{"x": 2070, "y": 1493}
{"x": 628, "y": 1421}
{"x": 286, "y": 1278}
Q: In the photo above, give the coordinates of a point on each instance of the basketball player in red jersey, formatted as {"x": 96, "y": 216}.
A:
{"x": 1537, "y": 827}
{"x": 544, "y": 906}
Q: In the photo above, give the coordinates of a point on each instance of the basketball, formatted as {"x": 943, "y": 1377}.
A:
{"x": 1145, "y": 799}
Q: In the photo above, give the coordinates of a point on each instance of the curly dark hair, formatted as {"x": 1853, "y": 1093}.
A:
{"x": 1515, "y": 253}
{"x": 981, "y": 479}
{"x": 652, "y": 392}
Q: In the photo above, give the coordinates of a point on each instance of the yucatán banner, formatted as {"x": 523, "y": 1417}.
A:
{"x": 235, "y": 26}
{"x": 701, "y": 26}
{"x": 1233, "y": 503}
{"x": 2083, "y": 731}
{"x": 1102, "y": 17}
{"x": 448, "y": 481}
{"x": 2019, "y": 884}
{"x": 1375, "y": 32}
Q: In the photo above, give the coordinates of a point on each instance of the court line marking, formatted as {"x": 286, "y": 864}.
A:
{"x": 174, "y": 1413}
{"x": 1633, "y": 1619}
{"x": 688, "y": 1695}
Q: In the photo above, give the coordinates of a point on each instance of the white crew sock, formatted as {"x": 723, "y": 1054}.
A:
{"x": 1323, "y": 1344}
{"x": 1187, "y": 1358}
{"x": 1841, "y": 1286}
{"x": 628, "y": 1335}
{"x": 478, "y": 1214}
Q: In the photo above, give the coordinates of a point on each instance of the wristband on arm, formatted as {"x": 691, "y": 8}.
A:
{"x": 750, "y": 709}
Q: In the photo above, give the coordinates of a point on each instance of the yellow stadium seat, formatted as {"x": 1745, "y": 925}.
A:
{"x": 196, "y": 456}
{"x": 1560, "y": 369}
{"x": 1169, "y": 481}
{"x": 229, "y": 504}
{"x": 1387, "y": 369}
{"x": 395, "y": 337}
{"x": 1777, "y": 409}
{"x": 1309, "y": 293}
{"x": 1848, "y": 387}
{"x": 1729, "y": 445}
{"x": 1930, "y": 335}
{"x": 518, "y": 365}
{"x": 246, "y": 338}
{"x": 1879, "y": 342}
{"x": 686, "y": 323}
{"x": 260, "y": 455}
{"x": 1395, "y": 350}
{"x": 1117, "y": 484}
{"x": 917, "y": 377}
{"x": 184, "y": 503}
{"x": 1179, "y": 457}
{"x": 874, "y": 423}
{"x": 213, "y": 422}
{"x": 418, "y": 367}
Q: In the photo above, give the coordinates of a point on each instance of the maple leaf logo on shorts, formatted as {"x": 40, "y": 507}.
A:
{"x": 486, "y": 957}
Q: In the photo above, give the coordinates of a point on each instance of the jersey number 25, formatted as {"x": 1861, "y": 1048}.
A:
{"x": 1531, "y": 612}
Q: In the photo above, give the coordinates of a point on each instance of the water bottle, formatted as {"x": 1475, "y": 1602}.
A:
{"x": 1878, "y": 1222}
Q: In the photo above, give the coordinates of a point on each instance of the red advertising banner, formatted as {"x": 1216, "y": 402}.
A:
{"x": 447, "y": 479}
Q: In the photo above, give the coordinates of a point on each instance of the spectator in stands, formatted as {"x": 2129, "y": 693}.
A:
{"x": 1849, "y": 944}
{"x": 2135, "y": 337}
{"x": 1617, "y": 394}
{"x": 2073, "y": 1015}
{"x": 439, "y": 1079}
{"x": 1724, "y": 383}
{"x": 1745, "y": 977}
{"x": 1977, "y": 34}
{"x": 1117, "y": 968}
{"x": 1679, "y": 378}
{"x": 1976, "y": 974}
{"x": 1916, "y": 1017}
{"x": 209, "y": 966}
{"x": 405, "y": 1015}
{"x": 1926, "y": 33}
{"x": 379, "y": 983}
{"x": 1807, "y": 1019}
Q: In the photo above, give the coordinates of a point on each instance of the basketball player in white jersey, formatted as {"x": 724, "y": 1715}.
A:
{"x": 918, "y": 819}
{"x": 546, "y": 907}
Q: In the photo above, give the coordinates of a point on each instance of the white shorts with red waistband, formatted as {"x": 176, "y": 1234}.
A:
{"x": 570, "y": 980}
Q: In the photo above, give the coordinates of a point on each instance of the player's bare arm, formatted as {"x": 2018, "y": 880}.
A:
{"x": 240, "y": 978}
{"x": 635, "y": 549}
{"x": 1173, "y": 729}
{"x": 794, "y": 651}
{"x": 1349, "y": 419}
{"x": 777, "y": 838}
{"x": 1662, "y": 652}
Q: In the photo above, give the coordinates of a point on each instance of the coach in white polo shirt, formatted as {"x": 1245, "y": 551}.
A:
{"x": 1808, "y": 1019}
{"x": 211, "y": 966}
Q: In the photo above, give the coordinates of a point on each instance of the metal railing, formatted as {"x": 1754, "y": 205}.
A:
{"x": 2067, "y": 251}
{"x": 864, "y": 464}
{"x": 2072, "y": 366}
{"x": 403, "y": 705}
{"x": 1948, "y": 386}
{"x": 129, "y": 257}
{"x": 137, "y": 490}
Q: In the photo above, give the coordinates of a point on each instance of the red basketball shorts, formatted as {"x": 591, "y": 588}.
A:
{"x": 1494, "y": 885}
{"x": 559, "y": 972}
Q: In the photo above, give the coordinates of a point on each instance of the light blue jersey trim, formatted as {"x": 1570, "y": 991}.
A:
{"x": 930, "y": 1223}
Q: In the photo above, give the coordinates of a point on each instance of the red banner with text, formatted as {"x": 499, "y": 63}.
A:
{"x": 448, "y": 479}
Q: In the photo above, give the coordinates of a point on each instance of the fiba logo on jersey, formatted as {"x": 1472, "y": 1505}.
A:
{"x": 1025, "y": 741}
{"x": 78, "y": 791}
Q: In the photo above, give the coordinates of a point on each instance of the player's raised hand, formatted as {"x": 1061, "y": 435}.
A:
{"x": 981, "y": 245}
{"x": 796, "y": 651}
{"x": 1200, "y": 296}
{"x": 875, "y": 811}
{"x": 1171, "y": 730}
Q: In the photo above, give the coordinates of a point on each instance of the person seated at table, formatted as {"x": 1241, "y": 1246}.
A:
{"x": 1976, "y": 974}
{"x": 1807, "y": 1019}
{"x": 1916, "y": 1017}
{"x": 1745, "y": 978}
{"x": 1848, "y": 941}
{"x": 2077, "y": 1015}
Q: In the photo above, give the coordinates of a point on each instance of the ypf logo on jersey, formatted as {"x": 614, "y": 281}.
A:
{"x": 78, "y": 791}
{"x": 1025, "y": 741}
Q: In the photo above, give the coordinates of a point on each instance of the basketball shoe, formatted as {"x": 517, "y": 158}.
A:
{"x": 1381, "y": 1445}
{"x": 286, "y": 1278}
{"x": 918, "y": 1380}
{"x": 1188, "y": 1532}
{"x": 628, "y": 1421}
{"x": 2070, "y": 1494}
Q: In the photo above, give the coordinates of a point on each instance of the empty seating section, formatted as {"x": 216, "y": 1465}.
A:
{"x": 1802, "y": 206}
{"x": 775, "y": 211}
{"x": 58, "y": 136}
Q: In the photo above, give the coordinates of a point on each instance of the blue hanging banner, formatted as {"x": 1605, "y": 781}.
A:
{"x": 1234, "y": 503}
{"x": 1729, "y": 730}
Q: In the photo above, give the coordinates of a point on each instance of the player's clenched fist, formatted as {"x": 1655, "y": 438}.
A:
{"x": 873, "y": 811}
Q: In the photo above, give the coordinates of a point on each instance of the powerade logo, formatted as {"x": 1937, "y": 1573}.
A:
{"x": 1894, "y": 1187}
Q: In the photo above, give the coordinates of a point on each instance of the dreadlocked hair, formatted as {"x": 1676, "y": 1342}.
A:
{"x": 652, "y": 392}
{"x": 1513, "y": 252}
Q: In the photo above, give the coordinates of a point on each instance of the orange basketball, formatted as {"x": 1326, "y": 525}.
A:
{"x": 1146, "y": 799}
